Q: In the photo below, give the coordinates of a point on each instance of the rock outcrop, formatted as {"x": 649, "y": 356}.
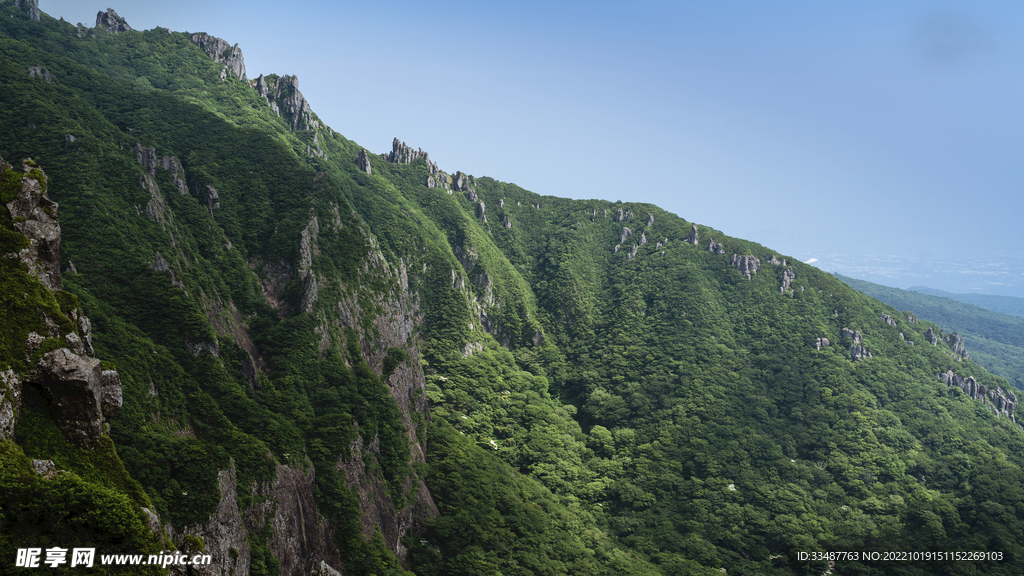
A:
{"x": 858, "y": 352}
{"x": 626, "y": 233}
{"x": 111, "y": 22}
{"x": 40, "y": 72}
{"x": 83, "y": 396}
{"x": 224, "y": 531}
{"x": 506, "y": 222}
{"x": 888, "y": 319}
{"x": 283, "y": 96}
{"x": 363, "y": 161}
{"x": 622, "y": 215}
{"x": 31, "y": 7}
{"x": 10, "y": 402}
{"x": 222, "y": 53}
{"x": 787, "y": 279}
{"x": 716, "y": 248}
{"x": 403, "y": 154}
{"x": 853, "y": 334}
{"x": 693, "y": 238}
{"x": 822, "y": 343}
{"x": 911, "y": 318}
{"x": 1001, "y": 402}
{"x": 956, "y": 343}
{"x": 301, "y": 539}
{"x": 35, "y": 216}
{"x": 931, "y": 336}
{"x": 650, "y": 219}
{"x": 746, "y": 264}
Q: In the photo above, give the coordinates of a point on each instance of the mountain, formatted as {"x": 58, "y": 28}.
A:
{"x": 304, "y": 357}
{"x": 1005, "y": 304}
{"x": 995, "y": 340}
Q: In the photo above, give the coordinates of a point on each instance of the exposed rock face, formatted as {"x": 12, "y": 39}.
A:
{"x": 888, "y": 320}
{"x": 222, "y": 53}
{"x": 35, "y": 216}
{"x": 912, "y": 319}
{"x": 787, "y": 279}
{"x": 378, "y": 511}
{"x": 650, "y": 219}
{"x": 481, "y": 208}
{"x": 209, "y": 197}
{"x": 626, "y": 233}
{"x": 394, "y": 326}
{"x": 83, "y": 396}
{"x": 301, "y": 539}
{"x": 623, "y": 215}
{"x": 472, "y": 196}
{"x": 283, "y": 96}
{"x": 858, "y": 352}
{"x": 1002, "y": 402}
{"x": 771, "y": 259}
{"x": 308, "y": 249}
{"x": 45, "y": 468}
{"x": 31, "y": 7}
{"x": 111, "y": 22}
{"x": 40, "y": 72}
{"x": 80, "y": 391}
{"x": 822, "y": 343}
{"x": 716, "y": 248}
{"x": 746, "y": 264}
{"x": 931, "y": 336}
{"x": 693, "y": 238}
{"x": 223, "y": 532}
{"x": 854, "y": 334}
{"x": 461, "y": 183}
{"x": 956, "y": 342}
{"x": 315, "y": 151}
{"x": 363, "y": 161}
{"x": 506, "y": 222}
{"x": 661, "y": 244}
{"x": 403, "y": 154}
{"x": 10, "y": 402}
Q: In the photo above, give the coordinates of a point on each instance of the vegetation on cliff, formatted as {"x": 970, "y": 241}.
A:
{"x": 474, "y": 378}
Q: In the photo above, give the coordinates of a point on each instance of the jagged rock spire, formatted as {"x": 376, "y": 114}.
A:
{"x": 222, "y": 53}
{"x": 111, "y": 22}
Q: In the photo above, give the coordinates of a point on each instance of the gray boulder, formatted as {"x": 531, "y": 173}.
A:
{"x": 747, "y": 264}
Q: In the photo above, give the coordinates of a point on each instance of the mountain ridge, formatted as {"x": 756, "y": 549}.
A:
{"x": 296, "y": 321}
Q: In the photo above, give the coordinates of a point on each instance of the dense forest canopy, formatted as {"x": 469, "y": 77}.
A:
{"x": 420, "y": 370}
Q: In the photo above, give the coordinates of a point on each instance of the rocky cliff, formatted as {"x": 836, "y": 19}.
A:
{"x": 283, "y": 96}
{"x": 57, "y": 343}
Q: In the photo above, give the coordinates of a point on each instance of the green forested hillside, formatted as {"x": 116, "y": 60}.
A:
{"x": 994, "y": 340}
{"x": 1005, "y": 304}
{"x": 333, "y": 359}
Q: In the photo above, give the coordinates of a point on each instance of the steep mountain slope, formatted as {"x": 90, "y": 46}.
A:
{"x": 995, "y": 340}
{"x": 337, "y": 360}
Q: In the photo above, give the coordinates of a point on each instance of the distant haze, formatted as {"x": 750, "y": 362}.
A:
{"x": 828, "y": 130}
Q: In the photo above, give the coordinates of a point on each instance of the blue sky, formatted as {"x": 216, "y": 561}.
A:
{"x": 815, "y": 128}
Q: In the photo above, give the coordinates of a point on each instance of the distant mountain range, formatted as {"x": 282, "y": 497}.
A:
{"x": 992, "y": 326}
{"x": 1004, "y": 304}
